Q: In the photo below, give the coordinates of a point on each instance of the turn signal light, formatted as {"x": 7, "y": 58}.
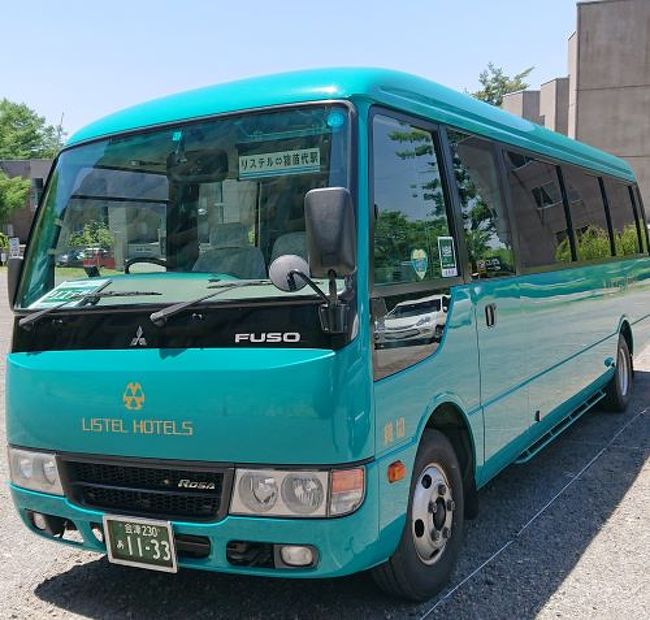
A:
{"x": 396, "y": 471}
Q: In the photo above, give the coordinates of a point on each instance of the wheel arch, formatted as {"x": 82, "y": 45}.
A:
{"x": 449, "y": 419}
{"x": 625, "y": 329}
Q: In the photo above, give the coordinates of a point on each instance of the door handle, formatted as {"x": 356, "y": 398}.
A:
{"x": 490, "y": 315}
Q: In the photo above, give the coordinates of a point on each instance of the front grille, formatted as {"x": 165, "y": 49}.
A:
{"x": 148, "y": 490}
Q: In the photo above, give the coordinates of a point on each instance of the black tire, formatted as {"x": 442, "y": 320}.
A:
{"x": 619, "y": 390}
{"x": 405, "y": 574}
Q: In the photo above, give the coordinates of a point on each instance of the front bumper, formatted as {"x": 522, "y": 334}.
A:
{"x": 345, "y": 545}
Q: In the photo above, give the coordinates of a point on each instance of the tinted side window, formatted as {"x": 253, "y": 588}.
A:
{"x": 538, "y": 210}
{"x": 413, "y": 241}
{"x": 626, "y": 236}
{"x": 587, "y": 214}
{"x": 487, "y": 233}
{"x": 642, "y": 217}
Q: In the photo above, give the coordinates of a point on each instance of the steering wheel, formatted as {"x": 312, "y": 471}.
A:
{"x": 144, "y": 259}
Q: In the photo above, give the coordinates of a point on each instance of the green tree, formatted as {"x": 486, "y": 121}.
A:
{"x": 26, "y": 135}
{"x": 93, "y": 234}
{"x": 495, "y": 84}
{"x": 627, "y": 241}
{"x": 13, "y": 195}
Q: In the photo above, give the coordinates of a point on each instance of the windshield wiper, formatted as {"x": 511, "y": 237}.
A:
{"x": 161, "y": 317}
{"x": 27, "y": 322}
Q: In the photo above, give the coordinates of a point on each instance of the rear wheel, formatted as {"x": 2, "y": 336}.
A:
{"x": 427, "y": 552}
{"x": 619, "y": 389}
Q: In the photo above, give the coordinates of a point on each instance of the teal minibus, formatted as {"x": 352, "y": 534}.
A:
{"x": 289, "y": 326}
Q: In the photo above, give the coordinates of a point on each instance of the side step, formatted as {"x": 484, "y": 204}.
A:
{"x": 561, "y": 426}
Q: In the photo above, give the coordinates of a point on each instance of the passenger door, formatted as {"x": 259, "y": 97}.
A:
{"x": 500, "y": 320}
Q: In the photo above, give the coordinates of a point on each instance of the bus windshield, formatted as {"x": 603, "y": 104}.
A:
{"x": 175, "y": 209}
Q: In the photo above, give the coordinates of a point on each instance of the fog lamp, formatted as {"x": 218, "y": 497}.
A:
{"x": 98, "y": 532}
{"x": 39, "y": 521}
{"x": 293, "y": 555}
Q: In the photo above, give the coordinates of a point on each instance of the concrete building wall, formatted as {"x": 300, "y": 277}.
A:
{"x": 573, "y": 89}
{"x": 608, "y": 88}
{"x": 524, "y": 103}
{"x": 613, "y": 81}
{"x": 554, "y": 104}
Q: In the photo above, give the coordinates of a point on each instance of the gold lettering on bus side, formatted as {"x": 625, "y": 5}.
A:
{"x": 400, "y": 428}
{"x": 388, "y": 432}
{"x": 117, "y": 426}
{"x": 139, "y": 427}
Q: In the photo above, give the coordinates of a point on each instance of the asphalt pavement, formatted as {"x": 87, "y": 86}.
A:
{"x": 565, "y": 536}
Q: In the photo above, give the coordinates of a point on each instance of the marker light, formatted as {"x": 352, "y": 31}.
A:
{"x": 396, "y": 471}
{"x": 347, "y": 490}
{"x": 336, "y": 119}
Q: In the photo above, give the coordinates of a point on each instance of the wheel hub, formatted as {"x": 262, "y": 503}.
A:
{"x": 432, "y": 513}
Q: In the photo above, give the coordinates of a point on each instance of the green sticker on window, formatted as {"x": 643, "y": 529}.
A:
{"x": 447, "y": 257}
{"x": 419, "y": 262}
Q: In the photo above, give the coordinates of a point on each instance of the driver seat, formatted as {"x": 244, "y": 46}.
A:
{"x": 231, "y": 253}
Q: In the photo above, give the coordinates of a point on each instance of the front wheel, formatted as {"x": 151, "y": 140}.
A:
{"x": 427, "y": 552}
{"x": 619, "y": 389}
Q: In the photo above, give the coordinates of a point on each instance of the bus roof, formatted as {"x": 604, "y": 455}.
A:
{"x": 394, "y": 89}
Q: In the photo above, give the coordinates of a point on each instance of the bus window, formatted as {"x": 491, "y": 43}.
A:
{"x": 639, "y": 216}
{"x": 626, "y": 236}
{"x": 487, "y": 232}
{"x": 407, "y": 328}
{"x": 411, "y": 226}
{"x": 587, "y": 214}
{"x": 538, "y": 211}
{"x": 642, "y": 218}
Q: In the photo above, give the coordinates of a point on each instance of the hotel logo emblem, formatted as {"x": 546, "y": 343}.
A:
{"x": 133, "y": 397}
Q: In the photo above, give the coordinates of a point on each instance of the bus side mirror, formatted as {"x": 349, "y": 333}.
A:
{"x": 14, "y": 267}
{"x": 330, "y": 231}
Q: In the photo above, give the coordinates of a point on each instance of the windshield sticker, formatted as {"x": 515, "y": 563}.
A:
{"x": 419, "y": 262}
{"x": 299, "y": 161}
{"x": 67, "y": 291}
{"x": 447, "y": 257}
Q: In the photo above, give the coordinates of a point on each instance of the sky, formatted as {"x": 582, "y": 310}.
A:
{"x": 84, "y": 59}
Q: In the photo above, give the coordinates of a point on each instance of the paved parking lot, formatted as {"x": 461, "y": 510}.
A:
{"x": 567, "y": 535}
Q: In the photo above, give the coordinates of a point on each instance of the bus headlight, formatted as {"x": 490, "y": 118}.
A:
{"x": 301, "y": 493}
{"x": 36, "y": 471}
{"x": 258, "y": 491}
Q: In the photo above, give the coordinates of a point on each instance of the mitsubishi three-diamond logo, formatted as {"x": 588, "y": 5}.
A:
{"x": 133, "y": 397}
{"x": 139, "y": 340}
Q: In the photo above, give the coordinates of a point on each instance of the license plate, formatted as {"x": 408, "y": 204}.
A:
{"x": 140, "y": 542}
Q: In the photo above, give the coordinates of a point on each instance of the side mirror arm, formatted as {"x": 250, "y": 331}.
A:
{"x": 312, "y": 285}
{"x": 333, "y": 313}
